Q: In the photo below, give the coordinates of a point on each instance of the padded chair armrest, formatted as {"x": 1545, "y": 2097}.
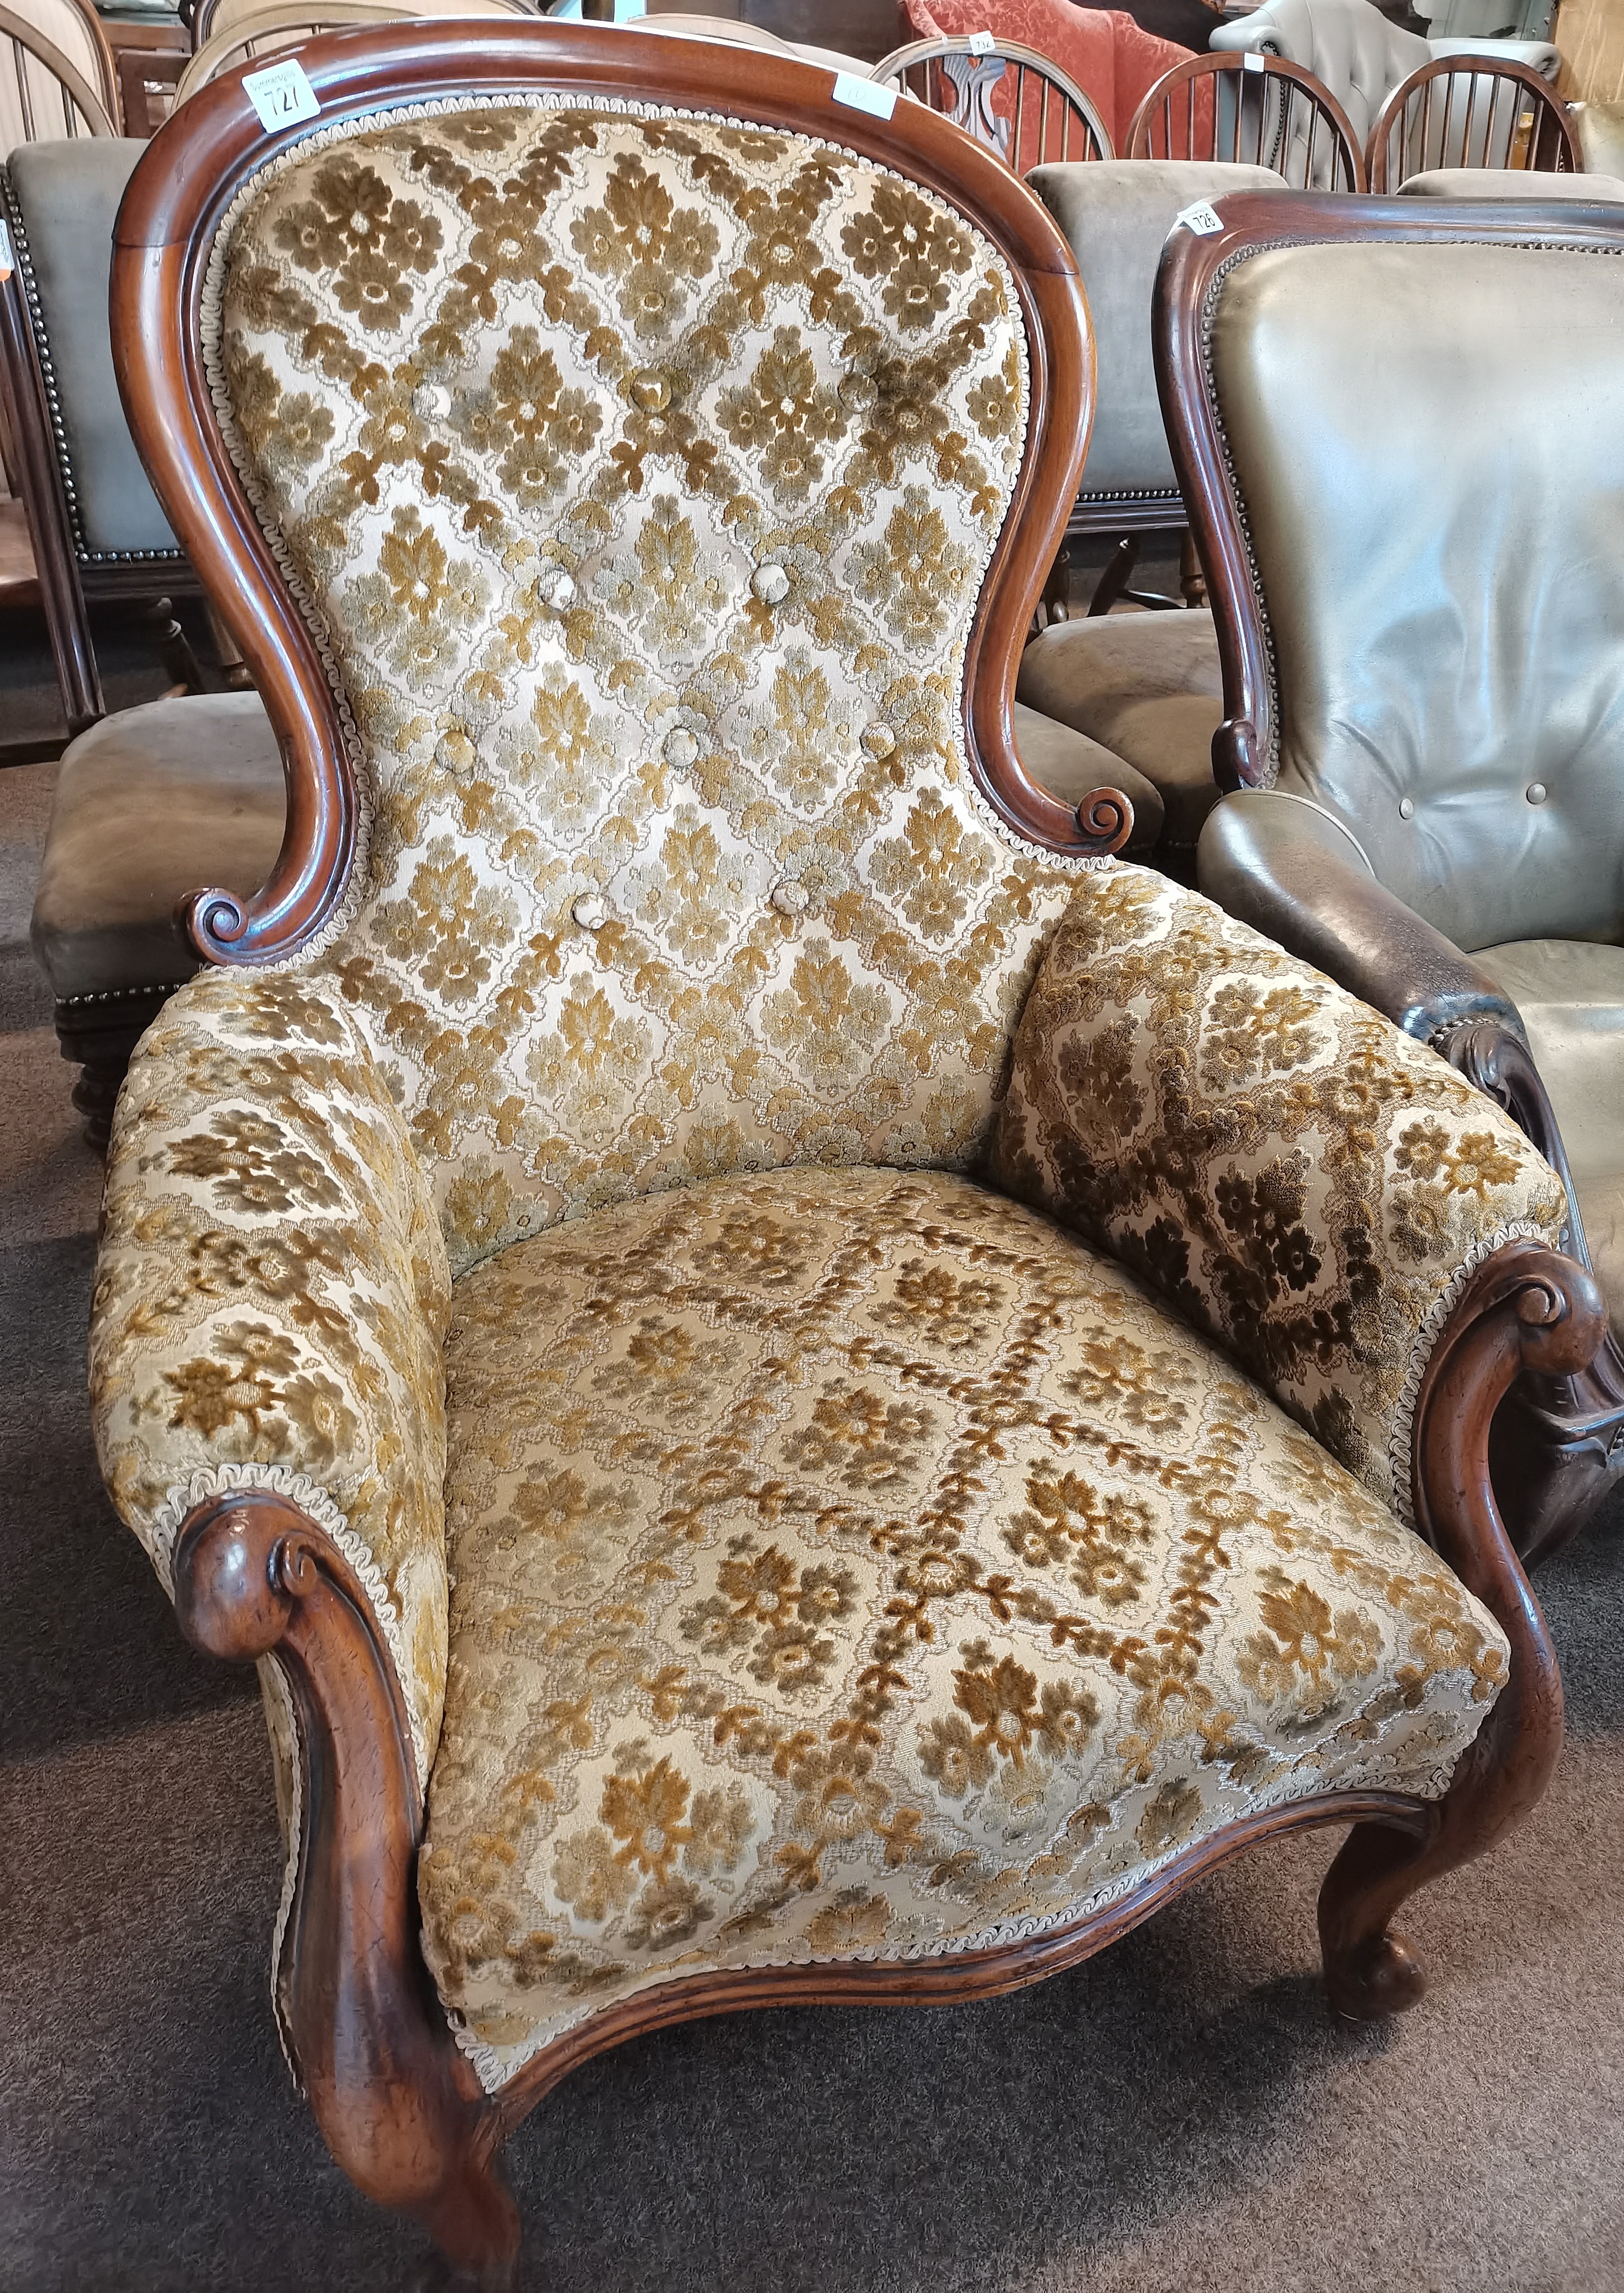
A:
{"x": 1290, "y": 870}
{"x": 1301, "y": 1179}
{"x": 272, "y": 1297}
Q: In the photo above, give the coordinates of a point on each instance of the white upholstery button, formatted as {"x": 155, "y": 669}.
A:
{"x": 589, "y": 911}
{"x": 1536, "y": 793}
{"x": 679, "y": 748}
{"x": 651, "y": 390}
{"x": 879, "y": 740}
{"x": 430, "y": 402}
{"x": 1406, "y": 807}
{"x": 856, "y": 390}
{"x": 771, "y": 584}
{"x": 792, "y": 899}
{"x": 559, "y": 593}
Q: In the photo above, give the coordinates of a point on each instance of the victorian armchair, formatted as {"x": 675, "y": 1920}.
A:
{"x": 1418, "y": 607}
{"x": 807, "y": 1388}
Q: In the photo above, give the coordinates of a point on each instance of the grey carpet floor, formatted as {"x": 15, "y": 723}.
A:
{"x": 1182, "y": 2112}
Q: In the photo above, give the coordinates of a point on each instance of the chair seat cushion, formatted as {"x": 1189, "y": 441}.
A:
{"x": 1071, "y": 766}
{"x": 1507, "y": 183}
{"x": 1147, "y": 686}
{"x": 850, "y": 1564}
{"x": 150, "y": 805}
{"x": 1571, "y": 995}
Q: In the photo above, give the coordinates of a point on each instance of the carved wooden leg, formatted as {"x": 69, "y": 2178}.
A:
{"x": 1525, "y": 1309}
{"x": 174, "y": 646}
{"x": 398, "y": 2106}
{"x": 1192, "y": 580}
{"x": 98, "y": 1032}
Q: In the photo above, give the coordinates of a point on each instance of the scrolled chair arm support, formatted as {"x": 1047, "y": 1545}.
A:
{"x": 401, "y": 2108}
{"x": 1527, "y": 1309}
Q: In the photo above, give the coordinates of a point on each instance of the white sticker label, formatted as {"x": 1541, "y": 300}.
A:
{"x": 871, "y": 95}
{"x": 8, "y": 262}
{"x": 280, "y": 94}
{"x": 1203, "y": 220}
{"x": 980, "y": 43}
{"x": 1250, "y": 61}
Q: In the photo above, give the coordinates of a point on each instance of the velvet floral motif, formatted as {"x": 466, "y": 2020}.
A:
{"x": 853, "y": 1562}
{"x": 1295, "y": 1175}
{"x": 272, "y": 1293}
{"x": 647, "y": 473}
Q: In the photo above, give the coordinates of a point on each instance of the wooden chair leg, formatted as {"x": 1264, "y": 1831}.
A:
{"x": 1525, "y": 1310}
{"x": 1192, "y": 581}
{"x": 1114, "y": 580}
{"x": 98, "y": 1034}
{"x": 174, "y": 646}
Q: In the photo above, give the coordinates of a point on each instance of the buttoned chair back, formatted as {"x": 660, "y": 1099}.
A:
{"x": 246, "y": 31}
{"x": 1009, "y": 98}
{"x": 1358, "y": 52}
{"x": 57, "y": 77}
{"x": 634, "y": 494}
{"x": 1452, "y": 113}
{"x": 1251, "y": 109}
{"x": 1421, "y": 629}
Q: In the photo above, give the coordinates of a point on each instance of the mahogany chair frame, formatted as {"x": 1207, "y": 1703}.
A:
{"x": 983, "y": 69}
{"x": 1292, "y": 85}
{"x": 1549, "y": 148}
{"x": 1560, "y": 1442}
{"x": 254, "y": 1576}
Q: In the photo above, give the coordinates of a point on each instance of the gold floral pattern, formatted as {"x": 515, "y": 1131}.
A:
{"x": 272, "y": 1292}
{"x": 1297, "y": 1177}
{"x": 978, "y": 1586}
{"x": 646, "y": 472}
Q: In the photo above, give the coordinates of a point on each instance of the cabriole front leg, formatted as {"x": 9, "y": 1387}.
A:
{"x": 1525, "y": 1309}
{"x": 399, "y": 2106}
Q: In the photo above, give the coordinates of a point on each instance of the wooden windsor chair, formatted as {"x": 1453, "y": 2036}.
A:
{"x": 1250, "y": 110}
{"x": 1470, "y": 112}
{"x": 1015, "y": 102}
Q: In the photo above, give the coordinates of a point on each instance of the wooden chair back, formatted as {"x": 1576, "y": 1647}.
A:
{"x": 1013, "y": 100}
{"x": 57, "y": 76}
{"x": 1461, "y": 111}
{"x": 243, "y": 30}
{"x": 1250, "y": 110}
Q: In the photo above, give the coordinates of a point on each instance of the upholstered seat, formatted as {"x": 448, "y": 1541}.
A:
{"x": 149, "y": 804}
{"x": 855, "y": 1564}
{"x": 1507, "y": 183}
{"x": 1148, "y": 688}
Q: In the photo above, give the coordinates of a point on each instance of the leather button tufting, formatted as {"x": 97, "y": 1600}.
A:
{"x": 589, "y": 911}
{"x": 679, "y": 748}
{"x": 771, "y": 584}
{"x": 1536, "y": 793}
{"x": 1406, "y": 807}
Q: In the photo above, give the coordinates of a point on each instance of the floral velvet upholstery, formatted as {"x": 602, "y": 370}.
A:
{"x": 842, "y": 1559}
{"x": 643, "y": 479}
{"x": 852, "y": 1564}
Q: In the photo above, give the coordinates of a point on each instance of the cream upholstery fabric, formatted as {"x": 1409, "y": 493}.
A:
{"x": 271, "y": 1297}
{"x": 1507, "y": 183}
{"x": 1297, "y": 1177}
{"x": 851, "y": 1565}
{"x": 648, "y": 500}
